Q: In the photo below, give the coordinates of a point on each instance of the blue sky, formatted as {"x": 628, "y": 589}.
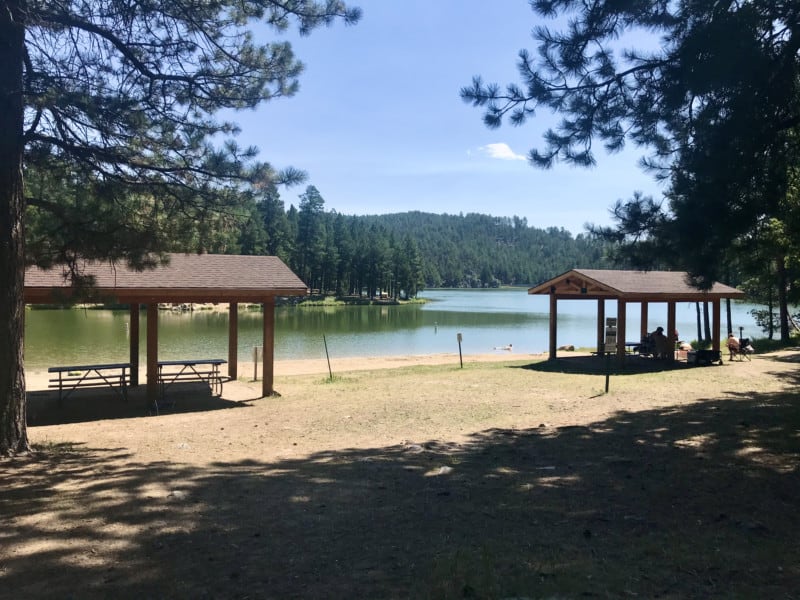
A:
{"x": 379, "y": 126}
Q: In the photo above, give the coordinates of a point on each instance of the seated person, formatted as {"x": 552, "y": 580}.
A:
{"x": 734, "y": 348}
{"x": 661, "y": 343}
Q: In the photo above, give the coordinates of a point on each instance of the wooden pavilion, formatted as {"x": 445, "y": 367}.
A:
{"x": 186, "y": 278}
{"x": 627, "y": 287}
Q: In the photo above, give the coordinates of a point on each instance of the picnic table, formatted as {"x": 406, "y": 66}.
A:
{"x": 206, "y": 370}
{"x": 113, "y": 375}
{"x": 630, "y": 347}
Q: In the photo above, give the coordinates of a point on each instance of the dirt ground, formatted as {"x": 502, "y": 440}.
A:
{"x": 414, "y": 478}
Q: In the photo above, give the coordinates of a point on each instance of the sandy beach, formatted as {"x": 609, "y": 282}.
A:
{"x": 37, "y": 379}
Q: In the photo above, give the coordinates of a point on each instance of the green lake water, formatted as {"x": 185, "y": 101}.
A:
{"x": 487, "y": 319}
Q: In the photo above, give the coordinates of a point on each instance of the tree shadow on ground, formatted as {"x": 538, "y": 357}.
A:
{"x": 100, "y": 404}
{"x": 693, "y": 501}
{"x": 633, "y": 364}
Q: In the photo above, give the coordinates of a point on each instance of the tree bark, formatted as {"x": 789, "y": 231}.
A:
{"x": 13, "y": 428}
{"x": 699, "y": 324}
{"x": 783, "y": 300}
{"x": 771, "y": 309}
{"x": 728, "y": 316}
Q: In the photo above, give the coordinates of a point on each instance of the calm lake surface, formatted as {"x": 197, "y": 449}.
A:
{"x": 487, "y": 319}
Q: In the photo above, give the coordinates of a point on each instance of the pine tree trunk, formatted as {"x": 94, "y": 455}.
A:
{"x": 13, "y": 431}
{"x": 728, "y": 315}
{"x": 771, "y": 310}
{"x": 783, "y": 301}
{"x": 699, "y": 324}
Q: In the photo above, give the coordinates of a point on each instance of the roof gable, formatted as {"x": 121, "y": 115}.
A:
{"x": 185, "y": 278}
{"x": 631, "y": 285}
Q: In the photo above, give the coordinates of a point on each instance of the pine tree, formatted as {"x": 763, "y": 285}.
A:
{"x": 123, "y": 96}
{"x": 714, "y": 97}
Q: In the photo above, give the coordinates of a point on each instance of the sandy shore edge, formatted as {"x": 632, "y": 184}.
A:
{"x": 37, "y": 379}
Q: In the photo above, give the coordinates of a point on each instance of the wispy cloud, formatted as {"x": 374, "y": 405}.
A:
{"x": 501, "y": 151}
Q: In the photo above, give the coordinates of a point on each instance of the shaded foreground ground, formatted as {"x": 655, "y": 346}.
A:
{"x": 498, "y": 480}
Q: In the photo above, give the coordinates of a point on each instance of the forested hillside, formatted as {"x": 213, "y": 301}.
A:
{"x": 477, "y": 250}
{"x": 399, "y": 254}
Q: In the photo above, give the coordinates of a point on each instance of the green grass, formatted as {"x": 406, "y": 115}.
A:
{"x": 768, "y": 345}
{"x": 56, "y": 449}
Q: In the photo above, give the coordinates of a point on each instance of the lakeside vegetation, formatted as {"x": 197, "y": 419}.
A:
{"x": 332, "y": 301}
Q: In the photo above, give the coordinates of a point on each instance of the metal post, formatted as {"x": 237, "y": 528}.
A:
{"x": 327, "y": 356}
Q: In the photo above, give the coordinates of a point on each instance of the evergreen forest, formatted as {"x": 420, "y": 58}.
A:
{"x": 396, "y": 255}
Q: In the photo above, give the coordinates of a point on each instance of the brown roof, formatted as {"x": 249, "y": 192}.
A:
{"x": 631, "y": 286}
{"x": 186, "y": 278}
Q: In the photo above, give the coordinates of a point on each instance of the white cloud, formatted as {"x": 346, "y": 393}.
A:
{"x": 501, "y": 151}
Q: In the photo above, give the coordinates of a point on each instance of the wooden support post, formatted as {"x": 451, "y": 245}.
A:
{"x": 152, "y": 353}
{"x": 643, "y": 330}
{"x": 553, "y": 324}
{"x": 268, "y": 357}
{"x": 233, "y": 341}
{"x": 622, "y": 310}
{"x": 133, "y": 343}
{"x": 601, "y": 324}
{"x": 671, "y": 340}
{"x": 715, "y": 324}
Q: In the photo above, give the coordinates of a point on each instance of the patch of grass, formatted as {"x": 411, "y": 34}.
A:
{"x": 325, "y": 302}
{"x": 56, "y": 449}
{"x": 767, "y": 345}
{"x": 333, "y": 379}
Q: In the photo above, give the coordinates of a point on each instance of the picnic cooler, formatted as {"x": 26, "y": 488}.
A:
{"x": 703, "y": 357}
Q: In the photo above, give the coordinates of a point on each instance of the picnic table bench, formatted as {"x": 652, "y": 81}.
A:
{"x": 204, "y": 369}
{"x": 113, "y": 375}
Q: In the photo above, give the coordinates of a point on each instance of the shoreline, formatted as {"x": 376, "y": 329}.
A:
{"x": 310, "y": 366}
{"x": 37, "y": 378}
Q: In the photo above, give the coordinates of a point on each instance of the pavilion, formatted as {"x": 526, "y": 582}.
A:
{"x": 186, "y": 278}
{"x": 626, "y": 287}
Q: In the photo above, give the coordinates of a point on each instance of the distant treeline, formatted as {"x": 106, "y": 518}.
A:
{"x": 477, "y": 250}
{"x": 399, "y": 254}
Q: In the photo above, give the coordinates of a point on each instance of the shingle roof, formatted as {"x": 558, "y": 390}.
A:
{"x": 631, "y": 285}
{"x": 187, "y": 277}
